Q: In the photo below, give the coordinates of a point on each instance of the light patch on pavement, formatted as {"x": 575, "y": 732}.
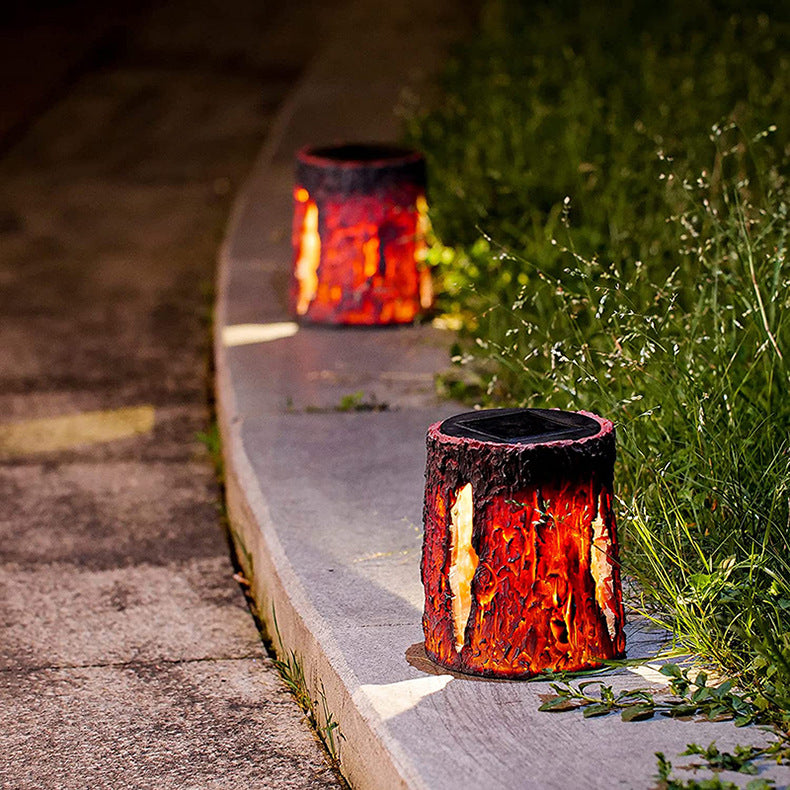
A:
{"x": 247, "y": 334}
{"x": 392, "y": 699}
{"x": 650, "y": 673}
{"x": 50, "y": 434}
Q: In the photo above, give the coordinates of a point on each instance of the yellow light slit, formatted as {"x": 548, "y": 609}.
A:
{"x": 370, "y": 253}
{"x": 463, "y": 561}
{"x": 650, "y": 672}
{"x": 247, "y": 334}
{"x": 50, "y": 434}
{"x": 306, "y": 266}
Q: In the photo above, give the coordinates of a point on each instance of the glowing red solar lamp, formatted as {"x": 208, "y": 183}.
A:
{"x": 519, "y": 560}
{"x": 358, "y": 235}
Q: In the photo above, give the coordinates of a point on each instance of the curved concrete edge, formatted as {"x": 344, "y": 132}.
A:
{"x": 366, "y": 754}
{"x": 293, "y": 624}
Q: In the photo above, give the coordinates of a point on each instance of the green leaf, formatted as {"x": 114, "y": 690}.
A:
{"x": 671, "y": 671}
{"x": 596, "y": 710}
{"x": 743, "y": 721}
{"x": 701, "y": 695}
{"x": 677, "y": 711}
{"x": 635, "y": 694}
{"x": 557, "y": 705}
{"x": 637, "y": 713}
{"x": 760, "y": 784}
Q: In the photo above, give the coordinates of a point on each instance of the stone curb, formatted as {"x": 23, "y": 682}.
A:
{"x": 369, "y": 757}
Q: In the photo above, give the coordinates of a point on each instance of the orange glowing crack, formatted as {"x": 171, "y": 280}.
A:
{"x": 463, "y": 561}
{"x": 360, "y": 259}
{"x": 306, "y": 267}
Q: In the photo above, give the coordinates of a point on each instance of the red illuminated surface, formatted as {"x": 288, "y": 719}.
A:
{"x": 545, "y": 590}
{"x": 358, "y": 254}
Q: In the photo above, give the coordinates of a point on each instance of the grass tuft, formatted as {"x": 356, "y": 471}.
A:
{"x": 610, "y": 243}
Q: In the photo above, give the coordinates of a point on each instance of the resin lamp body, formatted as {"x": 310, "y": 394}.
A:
{"x": 358, "y": 235}
{"x": 519, "y": 563}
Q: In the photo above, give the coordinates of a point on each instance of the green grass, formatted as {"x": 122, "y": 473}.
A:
{"x": 291, "y": 668}
{"x": 694, "y": 370}
{"x": 212, "y": 441}
{"x": 558, "y": 99}
{"x": 612, "y": 244}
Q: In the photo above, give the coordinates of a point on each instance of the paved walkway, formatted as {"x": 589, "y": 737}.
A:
{"x": 128, "y": 657}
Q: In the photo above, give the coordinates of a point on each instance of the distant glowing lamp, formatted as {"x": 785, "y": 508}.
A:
{"x": 520, "y": 561}
{"x": 360, "y": 217}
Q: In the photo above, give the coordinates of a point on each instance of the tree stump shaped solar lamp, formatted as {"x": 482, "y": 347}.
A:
{"x": 520, "y": 561}
{"x": 360, "y": 217}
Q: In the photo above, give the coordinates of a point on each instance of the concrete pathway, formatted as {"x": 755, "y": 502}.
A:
{"x": 326, "y": 503}
{"x": 128, "y": 656}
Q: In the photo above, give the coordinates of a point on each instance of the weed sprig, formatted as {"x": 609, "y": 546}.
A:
{"x": 717, "y": 761}
{"x": 686, "y": 697}
{"x": 291, "y": 669}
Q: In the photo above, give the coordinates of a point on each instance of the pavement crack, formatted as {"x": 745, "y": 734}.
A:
{"x": 133, "y": 664}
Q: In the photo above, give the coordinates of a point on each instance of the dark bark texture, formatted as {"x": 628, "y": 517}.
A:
{"x": 545, "y": 593}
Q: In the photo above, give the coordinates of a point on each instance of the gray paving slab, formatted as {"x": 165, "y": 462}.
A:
{"x": 197, "y": 725}
{"x": 76, "y": 507}
{"x": 56, "y": 615}
{"x": 325, "y": 505}
{"x": 380, "y": 368}
{"x": 128, "y": 655}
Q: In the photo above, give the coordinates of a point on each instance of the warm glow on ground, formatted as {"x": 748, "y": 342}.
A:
{"x": 392, "y": 699}
{"x": 247, "y": 334}
{"x": 51, "y": 434}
